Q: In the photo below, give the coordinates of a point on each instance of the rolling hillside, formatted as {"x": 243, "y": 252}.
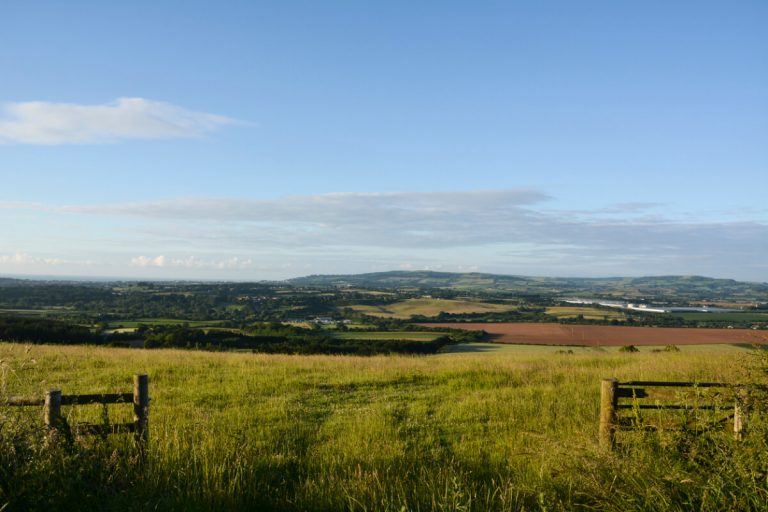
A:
{"x": 664, "y": 287}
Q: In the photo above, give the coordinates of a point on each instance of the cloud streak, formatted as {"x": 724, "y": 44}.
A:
{"x": 509, "y": 231}
{"x": 22, "y": 258}
{"x": 404, "y": 219}
{"x": 192, "y": 262}
{"x": 431, "y": 221}
{"x": 46, "y": 123}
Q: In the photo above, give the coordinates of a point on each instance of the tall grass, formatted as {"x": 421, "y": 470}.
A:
{"x": 514, "y": 430}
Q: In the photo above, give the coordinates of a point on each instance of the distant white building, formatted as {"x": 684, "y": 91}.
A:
{"x": 645, "y": 308}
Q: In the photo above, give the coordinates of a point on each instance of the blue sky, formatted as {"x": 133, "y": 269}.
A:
{"x": 264, "y": 140}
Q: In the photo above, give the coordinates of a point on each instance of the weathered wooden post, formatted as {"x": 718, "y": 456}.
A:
{"x": 609, "y": 398}
{"x": 141, "y": 410}
{"x": 738, "y": 426}
{"x": 52, "y": 409}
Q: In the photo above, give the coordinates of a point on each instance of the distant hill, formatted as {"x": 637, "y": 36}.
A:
{"x": 689, "y": 287}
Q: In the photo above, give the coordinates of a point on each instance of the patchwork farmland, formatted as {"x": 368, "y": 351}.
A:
{"x": 605, "y": 335}
{"x": 356, "y": 408}
{"x": 429, "y": 307}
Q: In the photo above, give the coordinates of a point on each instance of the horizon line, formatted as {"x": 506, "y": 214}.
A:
{"x": 107, "y": 279}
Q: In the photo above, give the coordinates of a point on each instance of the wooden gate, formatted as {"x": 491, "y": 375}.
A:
{"x": 612, "y": 392}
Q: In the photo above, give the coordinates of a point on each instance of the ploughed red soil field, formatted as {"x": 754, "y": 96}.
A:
{"x": 607, "y": 335}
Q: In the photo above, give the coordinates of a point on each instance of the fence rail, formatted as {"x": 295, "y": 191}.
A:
{"x": 665, "y": 384}
{"x": 53, "y": 401}
{"x": 611, "y": 391}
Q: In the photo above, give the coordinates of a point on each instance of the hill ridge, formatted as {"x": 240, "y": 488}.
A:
{"x": 679, "y": 285}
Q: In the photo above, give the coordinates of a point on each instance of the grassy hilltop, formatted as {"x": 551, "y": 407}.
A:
{"x": 509, "y": 429}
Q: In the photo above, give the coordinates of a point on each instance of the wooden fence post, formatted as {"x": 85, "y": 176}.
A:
{"x": 608, "y": 401}
{"x": 738, "y": 426}
{"x": 141, "y": 410}
{"x": 52, "y": 409}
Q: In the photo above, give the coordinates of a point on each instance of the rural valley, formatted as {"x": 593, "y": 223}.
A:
{"x": 383, "y": 256}
{"x": 392, "y": 391}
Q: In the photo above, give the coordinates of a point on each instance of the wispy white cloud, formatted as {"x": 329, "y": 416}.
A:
{"x": 360, "y": 219}
{"x": 632, "y": 207}
{"x": 40, "y": 122}
{"x": 192, "y": 262}
{"x": 324, "y": 208}
{"x": 502, "y": 230}
{"x": 427, "y": 220}
{"x": 24, "y": 259}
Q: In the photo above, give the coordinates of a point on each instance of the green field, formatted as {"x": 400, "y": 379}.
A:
{"x": 542, "y": 350}
{"x": 120, "y": 330}
{"x": 513, "y": 429}
{"x": 39, "y": 311}
{"x": 430, "y": 307}
{"x": 724, "y": 317}
{"x": 388, "y": 335}
{"x": 116, "y": 324}
{"x": 363, "y": 291}
{"x": 589, "y": 313}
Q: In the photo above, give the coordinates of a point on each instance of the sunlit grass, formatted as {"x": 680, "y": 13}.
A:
{"x": 430, "y": 307}
{"x": 588, "y": 313}
{"x": 508, "y": 430}
{"x": 388, "y": 335}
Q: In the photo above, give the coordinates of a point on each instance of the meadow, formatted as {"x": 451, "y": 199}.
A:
{"x": 607, "y": 335}
{"x": 735, "y": 316}
{"x": 132, "y": 324}
{"x": 429, "y": 307}
{"x": 477, "y": 429}
{"x": 588, "y": 313}
{"x": 388, "y": 335}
